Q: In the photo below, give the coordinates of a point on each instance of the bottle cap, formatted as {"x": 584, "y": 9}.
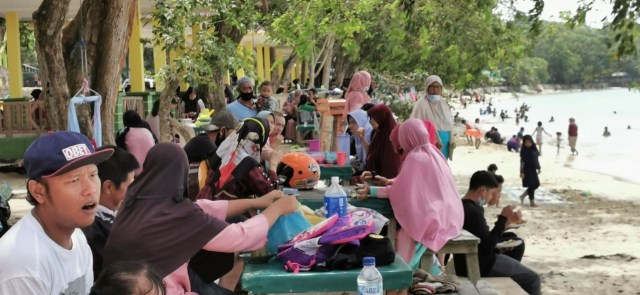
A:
{"x": 369, "y": 261}
{"x": 335, "y": 179}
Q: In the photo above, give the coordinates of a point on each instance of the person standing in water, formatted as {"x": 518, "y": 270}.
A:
{"x": 573, "y": 135}
{"x": 538, "y": 133}
{"x": 606, "y": 132}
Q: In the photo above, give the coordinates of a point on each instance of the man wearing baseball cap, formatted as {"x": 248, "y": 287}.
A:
{"x": 223, "y": 124}
{"x": 46, "y": 252}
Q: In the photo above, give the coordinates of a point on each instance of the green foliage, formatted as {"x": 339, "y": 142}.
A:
{"x": 306, "y": 24}
{"x": 527, "y": 71}
{"x": 576, "y": 55}
{"x": 222, "y": 23}
{"x": 455, "y": 39}
{"x": 27, "y": 44}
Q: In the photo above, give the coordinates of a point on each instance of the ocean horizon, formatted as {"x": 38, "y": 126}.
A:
{"x": 615, "y": 108}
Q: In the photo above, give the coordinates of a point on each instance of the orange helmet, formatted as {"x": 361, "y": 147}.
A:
{"x": 299, "y": 171}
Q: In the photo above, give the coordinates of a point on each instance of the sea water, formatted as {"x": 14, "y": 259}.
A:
{"x": 616, "y": 155}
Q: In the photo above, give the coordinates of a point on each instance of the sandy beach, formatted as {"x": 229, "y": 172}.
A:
{"x": 584, "y": 238}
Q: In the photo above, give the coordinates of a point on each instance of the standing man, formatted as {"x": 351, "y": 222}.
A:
{"x": 482, "y": 190}
{"x": 46, "y": 252}
{"x": 245, "y": 106}
{"x": 573, "y": 135}
{"x": 116, "y": 174}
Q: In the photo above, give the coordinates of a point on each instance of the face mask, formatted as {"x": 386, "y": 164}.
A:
{"x": 246, "y": 96}
{"x": 434, "y": 97}
{"x": 482, "y": 202}
{"x": 366, "y": 89}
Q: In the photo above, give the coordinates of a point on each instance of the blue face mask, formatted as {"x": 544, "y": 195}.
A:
{"x": 482, "y": 202}
{"x": 434, "y": 97}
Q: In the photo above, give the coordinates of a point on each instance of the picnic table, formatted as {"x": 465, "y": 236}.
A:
{"x": 466, "y": 243}
{"x": 270, "y": 277}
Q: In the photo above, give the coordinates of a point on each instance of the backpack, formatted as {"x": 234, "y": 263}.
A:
{"x": 318, "y": 243}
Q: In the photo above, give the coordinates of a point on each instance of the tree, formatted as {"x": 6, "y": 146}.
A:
{"x": 105, "y": 25}
{"x": 205, "y": 62}
{"x": 321, "y": 29}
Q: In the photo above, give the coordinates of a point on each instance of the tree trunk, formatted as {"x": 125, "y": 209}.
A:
{"x": 342, "y": 65}
{"x": 288, "y": 66}
{"x": 216, "y": 90}
{"x": 166, "y": 96}
{"x": 105, "y": 27}
{"x": 328, "y": 58}
{"x": 48, "y": 21}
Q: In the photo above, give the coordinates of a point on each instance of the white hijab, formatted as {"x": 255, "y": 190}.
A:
{"x": 436, "y": 112}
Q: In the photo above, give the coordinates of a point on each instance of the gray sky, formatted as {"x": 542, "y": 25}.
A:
{"x": 553, "y": 8}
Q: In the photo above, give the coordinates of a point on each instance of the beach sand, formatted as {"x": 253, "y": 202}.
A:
{"x": 584, "y": 238}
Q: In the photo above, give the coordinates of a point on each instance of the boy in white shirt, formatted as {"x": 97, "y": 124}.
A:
{"x": 46, "y": 252}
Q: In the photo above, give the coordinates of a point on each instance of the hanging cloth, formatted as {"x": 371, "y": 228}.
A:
{"x": 80, "y": 98}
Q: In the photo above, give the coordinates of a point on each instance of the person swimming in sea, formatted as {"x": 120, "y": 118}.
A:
{"x": 606, "y": 132}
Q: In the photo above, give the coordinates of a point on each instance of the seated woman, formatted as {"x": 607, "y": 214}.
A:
{"x": 361, "y": 131}
{"x": 423, "y": 195}
{"x": 136, "y": 137}
{"x": 381, "y": 159}
{"x": 240, "y": 174}
{"x": 157, "y": 225}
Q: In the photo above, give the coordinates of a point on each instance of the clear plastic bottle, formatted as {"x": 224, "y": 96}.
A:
{"x": 335, "y": 199}
{"x": 370, "y": 279}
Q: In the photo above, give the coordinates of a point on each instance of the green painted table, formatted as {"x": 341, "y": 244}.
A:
{"x": 271, "y": 277}
{"x": 344, "y": 172}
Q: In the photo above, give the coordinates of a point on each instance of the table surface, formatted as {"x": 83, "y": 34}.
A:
{"x": 272, "y": 278}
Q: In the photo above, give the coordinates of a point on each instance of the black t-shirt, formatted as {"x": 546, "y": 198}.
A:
{"x": 97, "y": 234}
{"x": 475, "y": 223}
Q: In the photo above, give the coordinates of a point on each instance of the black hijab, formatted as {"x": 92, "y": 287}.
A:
{"x": 529, "y": 154}
{"x": 156, "y": 224}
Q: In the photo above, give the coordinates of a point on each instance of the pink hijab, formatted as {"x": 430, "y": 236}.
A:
{"x": 424, "y": 196}
{"x": 356, "y": 96}
{"x": 431, "y": 128}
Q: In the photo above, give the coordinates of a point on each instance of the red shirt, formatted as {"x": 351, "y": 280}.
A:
{"x": 573, "y": 129}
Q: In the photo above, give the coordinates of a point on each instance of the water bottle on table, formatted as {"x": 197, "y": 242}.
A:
{"x": 370, "y": 279}
{"x": 335, "y": 199}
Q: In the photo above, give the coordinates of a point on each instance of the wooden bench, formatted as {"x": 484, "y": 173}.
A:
{"x": 269, "y": 278}
{"x": 488, "y": 286}
{"x": 467, "y": 244}
{"x": 499, "y": 286}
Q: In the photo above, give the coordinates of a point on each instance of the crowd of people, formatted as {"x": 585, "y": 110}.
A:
{"x": 155, "y": 218}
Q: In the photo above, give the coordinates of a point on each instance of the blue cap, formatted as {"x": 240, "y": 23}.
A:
{"x": 369, "y": 261}
{"x": 57, "y": 153}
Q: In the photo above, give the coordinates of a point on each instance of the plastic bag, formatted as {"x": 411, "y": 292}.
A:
{"x": 285, "y": 228}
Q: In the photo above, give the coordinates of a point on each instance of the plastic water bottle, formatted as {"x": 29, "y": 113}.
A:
{"x": 370, "y": 279}
{"x": 335, "y": 199}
